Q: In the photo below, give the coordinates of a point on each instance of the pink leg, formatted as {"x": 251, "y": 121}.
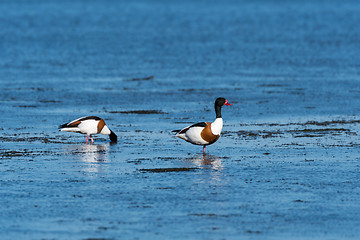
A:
{"x": 87, "y": 139}
{"x": 204, "y": 149}
{"x": 92, "y": 140}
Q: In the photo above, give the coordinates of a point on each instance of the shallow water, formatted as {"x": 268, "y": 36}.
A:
{"x": 286, "y": 166}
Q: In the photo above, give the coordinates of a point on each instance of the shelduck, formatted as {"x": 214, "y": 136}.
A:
{"x": 205, "y": 133}
{"x": 89, "y": 125}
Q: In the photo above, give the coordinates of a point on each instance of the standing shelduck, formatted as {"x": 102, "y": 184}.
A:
{"x": 89, "y": 125}
{"x": 205, "y": 133}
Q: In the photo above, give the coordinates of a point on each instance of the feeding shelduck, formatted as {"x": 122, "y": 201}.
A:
{"x": 205, "y": 133}
{"x": 89, "y": 125}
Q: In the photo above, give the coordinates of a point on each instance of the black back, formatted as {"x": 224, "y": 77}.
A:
{"x": 200, "y": 124}
{"x": 89, "y": 117}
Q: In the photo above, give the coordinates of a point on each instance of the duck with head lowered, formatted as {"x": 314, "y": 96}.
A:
{"x": 205, "y": 133}
{"x": 89, "y": 125}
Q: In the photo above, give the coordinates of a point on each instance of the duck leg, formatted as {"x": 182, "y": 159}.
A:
{"x": 87, "y": 139}
{"x": 204, "y": 148}
{"x": 92, "y": 140}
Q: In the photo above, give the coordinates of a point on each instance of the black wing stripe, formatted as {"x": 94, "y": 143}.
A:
{"x": 200, "y": 124}
{"x": 89, "y": 118}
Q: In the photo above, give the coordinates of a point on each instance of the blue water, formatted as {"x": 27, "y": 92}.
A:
{"x": 286, "y": 166}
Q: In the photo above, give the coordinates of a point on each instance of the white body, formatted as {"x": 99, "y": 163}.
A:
{"x": 193, "y": 134}
{"x": 88, "y": 127}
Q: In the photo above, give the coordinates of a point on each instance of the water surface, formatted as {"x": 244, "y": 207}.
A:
{"x": 286, "y": 166}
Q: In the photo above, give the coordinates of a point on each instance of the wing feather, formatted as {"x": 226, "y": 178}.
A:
{"x": 76, "y": 122}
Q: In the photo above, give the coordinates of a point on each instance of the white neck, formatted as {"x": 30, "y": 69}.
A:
{"x": 216, "y": 126}
{"x": 105, "y": 130}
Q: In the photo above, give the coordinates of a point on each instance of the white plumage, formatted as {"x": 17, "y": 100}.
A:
{"x": 89, "y": 125}
{"x": 204, "y": 133}
{"x": 193, "y": 135}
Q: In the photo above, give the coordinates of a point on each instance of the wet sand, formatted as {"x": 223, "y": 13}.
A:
{"x": 285, "y": 179}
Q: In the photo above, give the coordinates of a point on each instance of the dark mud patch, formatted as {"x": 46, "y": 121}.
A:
{"x": 141, "y": 79}
{"x": 139, "y": 112}
{"x": 8, "y": 154}
{"x": 333, "y": 122}
{"x": 76, "y": 180}
{"x": 213, "y": 215}
{"x": 50, "y": 101}
{"x": 136, "y": 162}
{"x": 30, "y": 89}
{"x": 253, "y": 232}
{"x": 164, "y": 170}
{"x": 273, "y": 85}
{"x": 188, "y": 90}
{"x": 319, "y": 132}
{"x": 203, "y": 215}
{"x": 249, "y": 135}
{"x": 28, "y": 106}
{"x": 145, "y": 131}
{"x": 252, "y": 135}
{"x": 168, "y": 158}
{"x": 300, "y": 201}
{"x": 262, "y": 102}
{"x": 11, "y": 154}
{"x": 29, "y": 139}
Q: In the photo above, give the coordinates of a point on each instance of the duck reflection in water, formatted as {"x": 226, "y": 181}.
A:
{"x": 213, "y": 166}
{"x": 94, "y": 153}
{"x": 91, "y": 155}
{"x": 207, "y": 161}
